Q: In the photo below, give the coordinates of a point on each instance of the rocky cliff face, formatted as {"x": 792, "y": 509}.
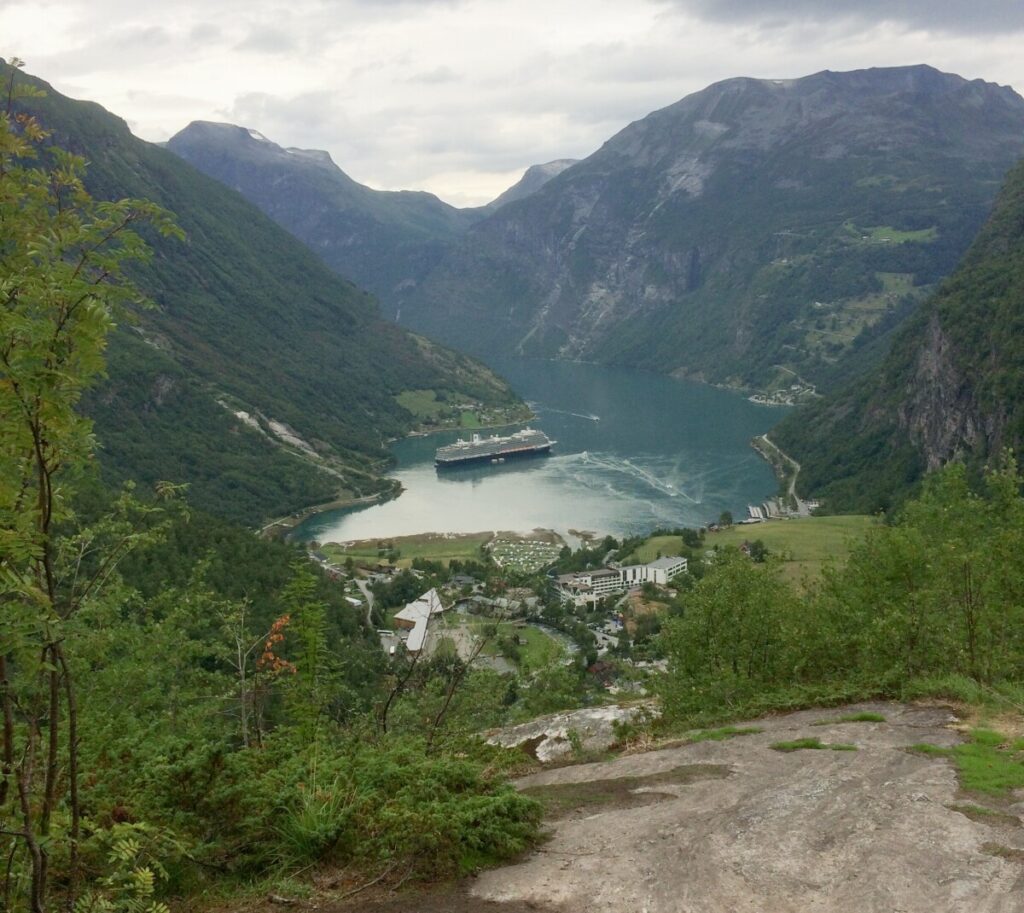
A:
{"x": 952, "y": 386}
{"x": 755, "y": 224}
{"x": 941, "y": 414}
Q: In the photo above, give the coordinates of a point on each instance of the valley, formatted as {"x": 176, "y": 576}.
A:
{"x": 750, "y": 233}
{"x": 731, "y": 616}
{"x": 255, "y": 375}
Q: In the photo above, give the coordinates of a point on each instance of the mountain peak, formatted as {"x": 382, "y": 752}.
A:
{"x": 378, "y": 238}
{"x": 245, "y": 141}
{"x": 535, "y": 177}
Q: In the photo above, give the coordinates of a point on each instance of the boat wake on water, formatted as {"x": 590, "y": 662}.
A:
{"x": 628, "y": 468}
{"x": 589, "y": 416}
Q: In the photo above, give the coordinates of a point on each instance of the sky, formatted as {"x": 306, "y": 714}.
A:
{"x": 458, "y": 97}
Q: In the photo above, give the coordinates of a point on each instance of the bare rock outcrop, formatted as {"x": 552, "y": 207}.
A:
{"x": 735, "y": 825}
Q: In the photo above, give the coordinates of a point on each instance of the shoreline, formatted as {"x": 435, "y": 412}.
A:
{"x": 786, "y": 469}
{"x": 490, "y": 426}
{"x": 282, "y": 526}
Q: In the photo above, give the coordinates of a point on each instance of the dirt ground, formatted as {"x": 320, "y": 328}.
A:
{"x": 736, "y": 827}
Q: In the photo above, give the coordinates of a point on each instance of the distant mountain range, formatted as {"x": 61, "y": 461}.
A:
{"x": 952, "y": 386}
{"x": 261, "y": 378}
{"x": 378, "y": 239}
{"x": 385, "y": 241}
{"x": 759, "y": 233}
{"x": 756, "y": 233}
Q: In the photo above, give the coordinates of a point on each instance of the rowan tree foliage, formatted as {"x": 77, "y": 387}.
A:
{"x": 735, "y": 635}
{"x": 62, "y": 284}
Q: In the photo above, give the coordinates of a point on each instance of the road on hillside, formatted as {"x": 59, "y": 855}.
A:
{"x": 364, "y": 588}
{"x": 792, "y": 480}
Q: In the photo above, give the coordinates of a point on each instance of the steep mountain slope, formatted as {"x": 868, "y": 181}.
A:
{"x": 535, "y": 177}
{"x": 951, "y": 387}
{"x": 260, "y": 377}
{"x": 753, "y": 230}
{"x": 379, "y": 239}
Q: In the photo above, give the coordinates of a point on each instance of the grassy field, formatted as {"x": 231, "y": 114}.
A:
{"x": 536, "y": 650}
{"x": 888, "y": 233}
{"x": 421, "y": 403}
{"x": 665, "y": 546}
{"x": 840, "y": 322}
{"x": 804, "y": 544}
{"x": 425, "y": 405}
{"x": 432, "y": 546}
{"x": 516, "y": 549}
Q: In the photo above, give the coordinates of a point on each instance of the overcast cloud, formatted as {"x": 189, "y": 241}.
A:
{"x": 459, "y": 96}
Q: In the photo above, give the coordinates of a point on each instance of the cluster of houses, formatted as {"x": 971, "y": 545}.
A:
{"x": 587, "y": 587}
{"x": 418, "y": 615}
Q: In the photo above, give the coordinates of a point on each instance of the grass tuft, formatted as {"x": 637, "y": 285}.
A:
{"x": 865, "y": 717}
{"x": 719, "y": 735}
{"x": 925, "y": 748}
{"x": 1003, "y": 852}
{"x": 985, "y": 815}
{"x": 811, "y": 745}
{"x": 985, "y": 764}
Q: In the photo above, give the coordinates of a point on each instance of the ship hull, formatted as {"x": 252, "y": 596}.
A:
{"x": 478, "y": 459}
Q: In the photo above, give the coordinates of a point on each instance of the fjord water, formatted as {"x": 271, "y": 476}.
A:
{"x": 634, "y": 451}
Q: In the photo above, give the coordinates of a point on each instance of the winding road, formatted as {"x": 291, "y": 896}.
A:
{"x": 791, "y": 491}
{"x": 364, "y": 588}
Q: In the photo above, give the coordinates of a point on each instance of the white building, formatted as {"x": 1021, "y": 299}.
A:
{"x": 582, "y": 587}
{"x": 585, "y": 587}
{"x": 415, "y": 618}
{"x": 662, "y": 570}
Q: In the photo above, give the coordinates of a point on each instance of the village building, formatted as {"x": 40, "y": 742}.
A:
{"x": 662, "y": 570}
{"x": 585, "y": 587}
{"x": 415, "y": 618}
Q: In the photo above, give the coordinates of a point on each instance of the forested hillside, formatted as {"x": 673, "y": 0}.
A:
{"x": 952, "y": 386}
{"x": 259, "y": 376}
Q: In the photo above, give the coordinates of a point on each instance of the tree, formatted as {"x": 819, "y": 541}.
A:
{"x": 725, "y": 518}
{"x": 734, "y": 636}
{"x": 941, "y": 591}
{"x": 62, "y": 285}
{"x": 315, "y": 689}
{"x": 693, "y": 538}
{"x": 255, "y": 664}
